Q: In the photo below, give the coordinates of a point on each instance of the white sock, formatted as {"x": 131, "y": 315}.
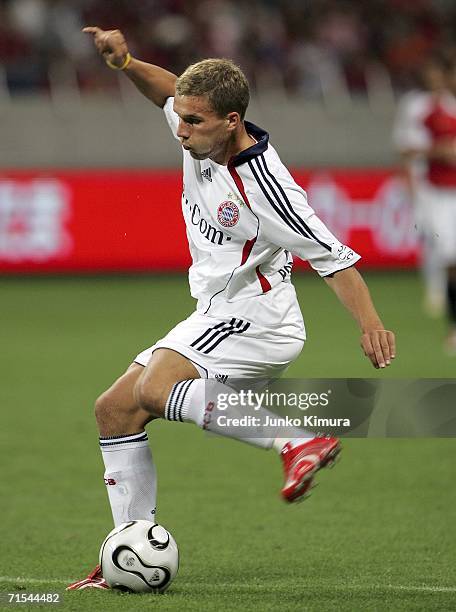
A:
{"x": 130, "y": 477}
{"x": 195, "y": 401}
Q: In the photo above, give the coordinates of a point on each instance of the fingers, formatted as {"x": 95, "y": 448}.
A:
{"x": 99, "y": 36}
{"x": 92, "y": 30}
{"x": 368, "y": 349}
{"x": 103, "y": 35}
{"x": 380, "y": 347}
{"x": 110, "y": 44}
{"x": 392, "y": 343}
{"x": 378, "y": 351}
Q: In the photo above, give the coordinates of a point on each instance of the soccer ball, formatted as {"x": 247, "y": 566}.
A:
{"x": 139, "y": 556}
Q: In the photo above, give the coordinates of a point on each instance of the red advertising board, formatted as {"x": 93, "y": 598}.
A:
{"x": 96, "y": 221}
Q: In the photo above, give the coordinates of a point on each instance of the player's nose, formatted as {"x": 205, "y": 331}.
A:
{"x": 182, "y": 131}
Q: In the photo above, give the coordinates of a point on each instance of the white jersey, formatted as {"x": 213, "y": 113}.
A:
{"x": 243, "y": 222}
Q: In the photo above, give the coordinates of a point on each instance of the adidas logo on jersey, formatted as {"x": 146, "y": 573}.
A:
{"x": 207, "y": 174}
{"x": 221, "y": 378}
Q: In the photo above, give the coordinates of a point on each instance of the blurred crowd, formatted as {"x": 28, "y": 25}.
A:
{"x": 300, "y": 46}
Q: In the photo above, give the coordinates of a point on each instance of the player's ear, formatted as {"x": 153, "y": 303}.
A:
{"x": 233, "y": 120}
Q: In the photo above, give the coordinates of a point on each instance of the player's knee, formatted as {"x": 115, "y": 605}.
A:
{"x": 103, "y": 408}
{"x": 151, "y": 395}
{"x": 109, "y": 409}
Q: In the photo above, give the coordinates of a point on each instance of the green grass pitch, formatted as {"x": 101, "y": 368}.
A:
{"x": 377, "y": 534}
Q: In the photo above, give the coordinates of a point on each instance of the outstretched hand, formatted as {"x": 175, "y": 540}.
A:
{"x": 379, "y": 346}
{"x": 110, "y": 44}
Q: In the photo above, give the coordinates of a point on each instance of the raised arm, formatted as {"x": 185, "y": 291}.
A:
{"x": 377, "y": 343}
{"x": 154, "y": 82}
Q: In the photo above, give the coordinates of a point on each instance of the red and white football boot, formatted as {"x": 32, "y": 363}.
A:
{"x": 94, "y": 580}
{"x": 301, "y": 462}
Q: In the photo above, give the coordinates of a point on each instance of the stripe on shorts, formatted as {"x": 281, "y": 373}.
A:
{"x": 208, "y": 331}
{"x": 238, "y": 329}
{"x": 217, "y": 333}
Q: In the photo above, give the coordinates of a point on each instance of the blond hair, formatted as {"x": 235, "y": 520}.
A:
{"x": 224, "y": 84}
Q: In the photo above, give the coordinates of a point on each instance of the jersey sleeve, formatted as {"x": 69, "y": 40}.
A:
{"x": 171, "y": 117}
{"x": 287, "y": 220}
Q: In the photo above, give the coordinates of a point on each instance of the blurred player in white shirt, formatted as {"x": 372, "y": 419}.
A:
{"x": 244, "y": 215}
{"x": 408, "y": 136}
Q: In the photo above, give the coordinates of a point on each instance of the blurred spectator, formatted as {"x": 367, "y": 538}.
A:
{"x": 309, "y": 48}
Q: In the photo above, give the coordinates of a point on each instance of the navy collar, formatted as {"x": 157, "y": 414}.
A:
{"x": 258, "y": 148}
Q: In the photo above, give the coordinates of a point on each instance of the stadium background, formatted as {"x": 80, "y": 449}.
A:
{"x": 92, "y": 253}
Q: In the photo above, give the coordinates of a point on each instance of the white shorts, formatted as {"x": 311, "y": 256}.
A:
{"x": 230, "y": 347}
{"x": 441, "y": 221}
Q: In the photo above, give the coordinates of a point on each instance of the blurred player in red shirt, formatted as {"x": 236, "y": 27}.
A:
{"x": 408, "y": 136}
{"x": 432, "y": 139}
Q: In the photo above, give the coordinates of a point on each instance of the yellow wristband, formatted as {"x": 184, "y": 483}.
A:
{"x": 125, "y": 64}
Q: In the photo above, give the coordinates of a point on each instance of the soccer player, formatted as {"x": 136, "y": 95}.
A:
{"x": 244, "y": 215}
{"x": 430, "y": 138}
{"x": 407, "y": 138}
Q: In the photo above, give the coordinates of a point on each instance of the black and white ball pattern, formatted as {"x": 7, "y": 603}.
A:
{"x": 139, "y": 556}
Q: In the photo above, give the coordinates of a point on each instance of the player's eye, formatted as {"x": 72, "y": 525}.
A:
{"x": 192, "y": 120}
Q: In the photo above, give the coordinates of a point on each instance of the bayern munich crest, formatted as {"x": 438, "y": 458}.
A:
{"x": 228, "y": 214}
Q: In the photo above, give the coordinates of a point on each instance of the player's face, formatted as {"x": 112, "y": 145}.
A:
{"x": 201, "y": 130}
{"x": 433, "y": 77}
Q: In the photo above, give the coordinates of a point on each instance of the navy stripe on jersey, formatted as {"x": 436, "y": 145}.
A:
{"x": 279, "y": 209}
{"x": 275, "y": 200}
{"x": 279, "y": 201}
{"x": 290, "y": 207}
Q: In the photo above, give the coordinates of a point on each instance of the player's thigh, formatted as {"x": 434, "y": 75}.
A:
{"x": 166, "y": 367}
